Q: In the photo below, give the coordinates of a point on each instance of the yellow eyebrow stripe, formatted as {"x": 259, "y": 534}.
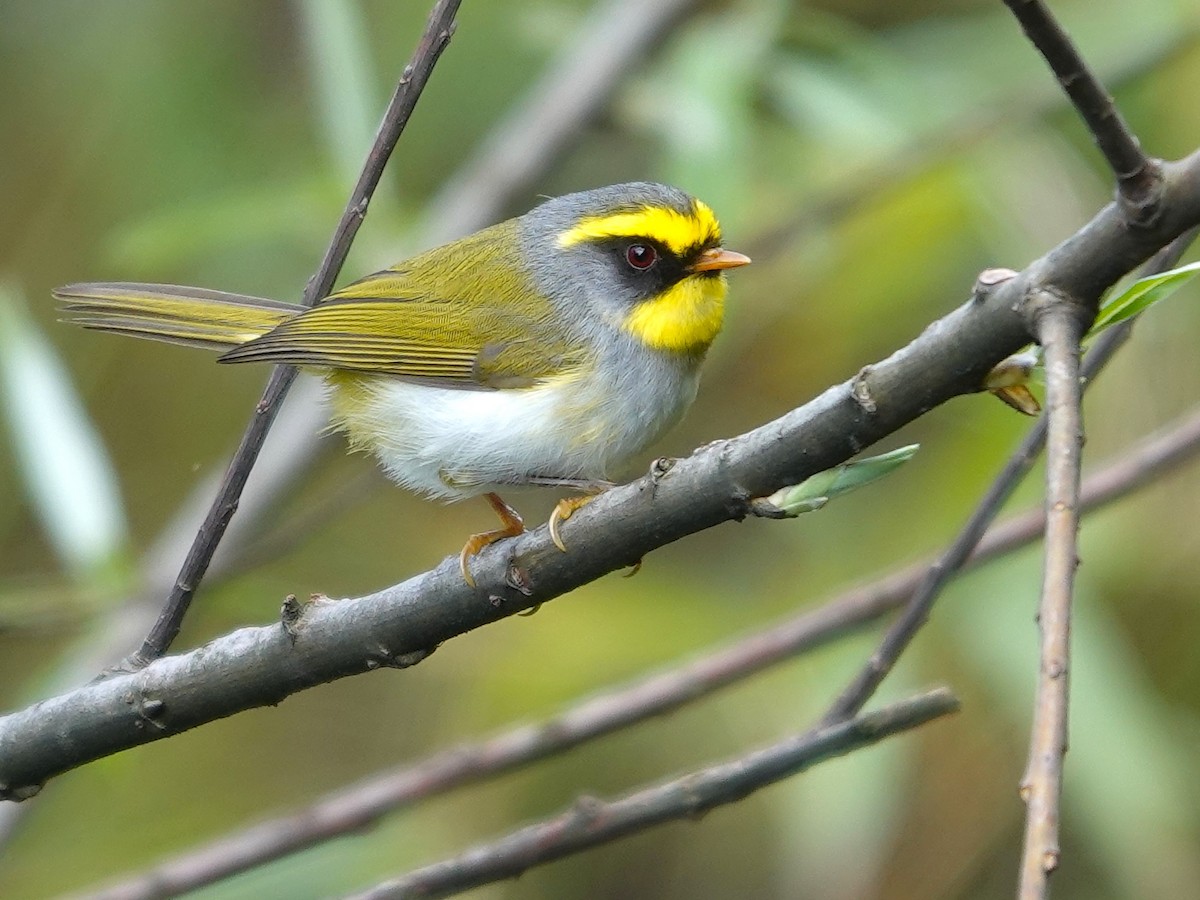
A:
{"x": 675, "y": 230}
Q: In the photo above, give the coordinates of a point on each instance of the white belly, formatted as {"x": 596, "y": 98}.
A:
{"x": 459, "y": 443}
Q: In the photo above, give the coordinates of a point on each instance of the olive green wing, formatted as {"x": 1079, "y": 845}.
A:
{"x": 472, "y": 325}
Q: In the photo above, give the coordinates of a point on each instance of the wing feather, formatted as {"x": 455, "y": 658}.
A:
{"x": 463, "y": 318}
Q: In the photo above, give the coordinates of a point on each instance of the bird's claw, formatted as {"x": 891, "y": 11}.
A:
{"x": 563, "y": 511}
{"x": 556, "y": 517}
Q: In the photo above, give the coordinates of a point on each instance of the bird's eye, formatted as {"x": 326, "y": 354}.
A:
{"x": 641, "y": 256}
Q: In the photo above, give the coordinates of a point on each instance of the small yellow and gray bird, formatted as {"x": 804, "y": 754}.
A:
{"x": 543, "y": 350}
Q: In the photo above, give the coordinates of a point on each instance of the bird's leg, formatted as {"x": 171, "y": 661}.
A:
{"x": 511, "y": 525}
{"x": 589, "y": 487}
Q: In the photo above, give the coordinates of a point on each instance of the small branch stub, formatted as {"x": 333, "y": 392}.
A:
{"x": 861, "y": 391}
{"x": 1042, "y": 300}
{"x": 290, "y": 613}
{"x": 988, "y": 280}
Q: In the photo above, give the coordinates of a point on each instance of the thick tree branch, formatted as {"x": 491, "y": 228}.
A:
{"x": 590, "y": 821}
{"x": 437, "y": 34}
{"x": 351, "y": 809}
{"x": 400, "y": 625}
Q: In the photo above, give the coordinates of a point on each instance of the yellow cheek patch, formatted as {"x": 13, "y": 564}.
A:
{"x": 674, "y": 230}
{"x": 684, "y": 318}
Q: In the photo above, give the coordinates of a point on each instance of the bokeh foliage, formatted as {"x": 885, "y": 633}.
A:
{"x": 872, "y": 157}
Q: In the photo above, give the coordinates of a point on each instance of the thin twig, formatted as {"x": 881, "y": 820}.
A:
{"x": 616, "y": 36}
{"x": 351, "y": 809}
{"x": 916, "y": 612}
{"x": 412, "y": 82}
{"x": 1060, "y": 328}
{"x": 1138, "y": 176}
{"x": 591, "y": 821}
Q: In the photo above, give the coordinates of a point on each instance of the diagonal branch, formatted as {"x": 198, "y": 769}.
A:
{"x": 398, "y": 626}
{"x": 1137, "y": 175}
{"x": 412, "y": 82}
{"x": 351, "y": 809}
{"x": 591, "y": 822}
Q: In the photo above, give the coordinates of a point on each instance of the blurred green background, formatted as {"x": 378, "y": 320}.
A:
{"x": 872, "y": 156}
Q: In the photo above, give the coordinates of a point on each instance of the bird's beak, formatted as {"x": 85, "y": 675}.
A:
{"x": 715, "y": 259}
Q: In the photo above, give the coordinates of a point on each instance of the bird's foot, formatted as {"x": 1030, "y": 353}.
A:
{"x": 563, "y": 511}
{"x": 511, "y": 524}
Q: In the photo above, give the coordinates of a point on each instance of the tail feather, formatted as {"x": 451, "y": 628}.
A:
{"x": 189, "y": 316}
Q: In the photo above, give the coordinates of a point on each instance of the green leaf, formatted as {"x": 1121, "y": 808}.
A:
{"x": 813, "y": 493}
{"x": 341, "y": 72}
{"x": 67, "y": 473}
{"x": 1141, "y": 295}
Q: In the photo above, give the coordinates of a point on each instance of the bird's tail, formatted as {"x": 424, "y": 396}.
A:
{"x": 190, "y": 316}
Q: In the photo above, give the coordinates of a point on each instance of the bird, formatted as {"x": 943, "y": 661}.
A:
{"x": 547, "y": 349}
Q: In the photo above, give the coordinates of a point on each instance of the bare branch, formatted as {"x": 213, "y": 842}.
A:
{"x": 1060, "y": 327}
{"x": 590, "y": 821}
{"x": 416, "y": 74}
{"x": 354, "y": 808}
{"x": 916, "y": 612}
{"x": 398, "y": 626}
{"x": 1137, "y": 175}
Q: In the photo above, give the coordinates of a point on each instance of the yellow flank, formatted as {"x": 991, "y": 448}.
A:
{"x": 349, "y": 401}
{"x": 683, "y": 318}
{"x": 672, "y": 229}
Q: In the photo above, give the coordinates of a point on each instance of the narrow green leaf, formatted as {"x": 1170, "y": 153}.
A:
{"x": 813, "y": 493}
{"x": 1141, "y": 295}
{"x": 168, "y": 238}
{"x": 66, "y": 471}
{"x": 339, "y": 53}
